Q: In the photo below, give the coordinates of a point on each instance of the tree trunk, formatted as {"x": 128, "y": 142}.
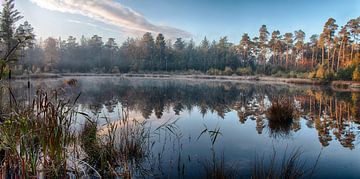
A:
{"x": 339, "y": 56}
{"x": 279, "y": 58}
{"x": 287, "y": 59}
{"x": 312, "y": 58}
{"x": 333, "y": 59}
{"x": 322, "y": 55}
{"x": 328, "y": 58}
{"x": 352, "y": 51}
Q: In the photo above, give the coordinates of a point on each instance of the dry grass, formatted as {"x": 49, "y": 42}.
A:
{"x": 291, "y": 165}
{"x": 34, "y": 137}
{"x": 280, "y": 115}
{"x": 37, "y": 139}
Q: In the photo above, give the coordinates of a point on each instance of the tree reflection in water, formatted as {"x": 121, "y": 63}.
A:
{"x": 334, "y": 115}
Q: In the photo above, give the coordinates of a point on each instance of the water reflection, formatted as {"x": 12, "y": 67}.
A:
{"x": 335, "y": 116}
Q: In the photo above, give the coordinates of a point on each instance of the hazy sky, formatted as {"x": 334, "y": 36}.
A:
{"x": 181, "y": 18}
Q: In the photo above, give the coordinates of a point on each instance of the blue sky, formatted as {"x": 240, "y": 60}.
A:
{"x": 186, "y": 18}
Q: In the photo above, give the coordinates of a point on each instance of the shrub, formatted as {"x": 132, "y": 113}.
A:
{"x": 213, "y": 71}
{"x": 115, "y": 70}
{"x": 356, "y": 74}
{"x": 281, "y": 110}
{"x": 228, "y": 71}
{"x": 279, "y": 74}
{"x": 320, "y": 73}
{"x": 277, "y": 69}
{"x": 244, "y": 71}
{"x": 292, "y": 74}
{"x": 329, "y": 76}
{"x": 192, "y": 72}
{"x": 5, "y": 73}
{"x": 280, "y": 116}
{"x": 345, "y": 73}
{"x": 312, "y": 75}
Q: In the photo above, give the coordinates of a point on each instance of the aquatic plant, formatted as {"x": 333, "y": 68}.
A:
{"x": 292, "y": 165}
{"x": 280, "y": 115}
{"x": 34, "y": 137}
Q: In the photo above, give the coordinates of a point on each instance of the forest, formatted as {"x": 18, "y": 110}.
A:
{"x": 128, "y": 110}
{"x": 334, "y": 54}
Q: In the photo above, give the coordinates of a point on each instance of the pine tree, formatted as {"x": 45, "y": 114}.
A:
{"x": 263, "y": 38}
{"x": 9, "y": 16}
{"x": 328, "y": 36}
{"x": 160, "y": 46}
{"x": 288, "y": 43}
{"x": 299, "y": 44}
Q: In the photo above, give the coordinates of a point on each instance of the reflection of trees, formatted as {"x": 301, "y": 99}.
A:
{"x": 333, "y": 115}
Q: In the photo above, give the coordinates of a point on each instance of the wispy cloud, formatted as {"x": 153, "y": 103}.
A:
{"x": 111, "y": 12}
{"x": 93, "y": 25}
{"x": 81, "y": 22}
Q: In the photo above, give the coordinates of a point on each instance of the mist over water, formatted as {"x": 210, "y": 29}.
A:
{"x": 325, "y": 121}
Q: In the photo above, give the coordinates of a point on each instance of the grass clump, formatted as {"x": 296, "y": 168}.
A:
{"x": 114, "y": 148}
{"x": 280, "y": 115}
{"x": 244, "y": 71}
{"x": 213, "y": 71}
{"x": 34, "y": 137}
{"x": 39, "y": 139}
{"x": 227, "y": 71}
{"x": 291, "y": 166}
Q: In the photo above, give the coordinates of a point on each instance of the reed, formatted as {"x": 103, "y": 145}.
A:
{"x": 291, "y": 165}
{"x": 34, "y": 137}
{"x": 280, "y": 116}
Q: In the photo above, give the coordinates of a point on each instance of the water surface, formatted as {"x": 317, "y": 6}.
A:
{"x": 326, "y": 121}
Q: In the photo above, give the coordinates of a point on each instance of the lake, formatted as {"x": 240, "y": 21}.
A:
{"x": 326, "y": 123}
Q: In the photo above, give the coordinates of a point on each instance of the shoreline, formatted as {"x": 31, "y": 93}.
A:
{"x": 346, "y": 86}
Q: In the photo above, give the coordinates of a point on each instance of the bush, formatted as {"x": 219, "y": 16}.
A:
{"x": 329, "y": 76}
{"x": 356, "y": 74}
{"x": 5, "y": 73}
{"x": 320, "y": 73}
{"x": 279, "y": 74}
{"x": 280, "y": 115}
{"x": 115, "y": 70}
{"x": 312, "y": 75}
{"x": 292, "y": 74}
{"x": 228, "y": 71}
{"x": 244, "y": 71}
{"x": 345, "y": 73}
{"x": 192, "y": 72}
{"x": 213, "y": 71}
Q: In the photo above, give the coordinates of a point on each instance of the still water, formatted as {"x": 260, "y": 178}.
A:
{"x": 326, "y": 122}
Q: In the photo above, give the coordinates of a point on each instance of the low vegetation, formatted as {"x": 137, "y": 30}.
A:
{"x": 280, "y": 115}
{"x": 291, "y": 166}
{"x": 39, "y": 139}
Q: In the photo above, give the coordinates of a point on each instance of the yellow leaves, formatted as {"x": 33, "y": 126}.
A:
{"x": 355, "y": 97}
{"x": 318, "y": 95}
{"x": 356, "y": 74}
{"x": 320, "y": 73}
{"x": 312, "y": 74}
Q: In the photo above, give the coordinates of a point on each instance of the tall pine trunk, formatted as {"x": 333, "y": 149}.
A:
{"x": 322, "y": 55}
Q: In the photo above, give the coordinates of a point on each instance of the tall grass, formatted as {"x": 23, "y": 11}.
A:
{"x": 280, "y": 116}
{"x": 116, "y": 148}
{"x": 291, "y": 165}
{"x": 38, "y": 139}
{"x": 34, "y": 137}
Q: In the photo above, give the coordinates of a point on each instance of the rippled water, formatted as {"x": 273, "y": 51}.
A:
{"x": 326, "y": 121}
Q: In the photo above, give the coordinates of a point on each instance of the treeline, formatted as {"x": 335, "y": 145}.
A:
{"x": 12, "y": 36}
{"x": 332, "y": 54}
